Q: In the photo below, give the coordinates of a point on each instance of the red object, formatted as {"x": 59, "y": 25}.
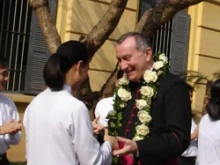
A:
{"x": 126, "y": 159}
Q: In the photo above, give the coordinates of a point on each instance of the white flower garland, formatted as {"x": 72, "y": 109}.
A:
{"x": 148, "y": 92}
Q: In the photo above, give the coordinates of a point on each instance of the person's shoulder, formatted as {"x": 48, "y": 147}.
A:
{"x": 74, "y": 103}
{"x": 7, "y": 103}
{"x": 5, "y": 99}
{"x": 170, "y": 79}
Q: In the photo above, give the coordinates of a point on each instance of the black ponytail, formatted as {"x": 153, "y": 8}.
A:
{"x": 53, "y": 75}
{"x": 68, "y": 54}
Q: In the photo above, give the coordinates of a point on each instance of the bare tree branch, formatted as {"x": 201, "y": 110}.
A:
{"x": 160, "y": 14}
{"x": 47, "y": 24}
{"x": 100, "y": 33}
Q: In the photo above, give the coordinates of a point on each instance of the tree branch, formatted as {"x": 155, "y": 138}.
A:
{"x": 100, "y": 33}
{"x": 47, "y": 24}
{"x": 160, "y": 14}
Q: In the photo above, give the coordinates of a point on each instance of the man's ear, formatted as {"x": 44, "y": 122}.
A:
{"x": 149, "y": 54}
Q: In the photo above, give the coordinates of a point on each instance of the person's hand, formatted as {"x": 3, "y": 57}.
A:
{"x": 129, "y": 147}
{"x": 10, "y": 127}
{"x": 17, "y": 127}
{"x": 97, "y": 127}
{"x": 195, "y": 133}
{"x": 111, "y": 139}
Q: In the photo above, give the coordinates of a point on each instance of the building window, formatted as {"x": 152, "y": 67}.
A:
{"x": 23, "y": 45}
{"x": 171, "y": 38}
{"x": 15, "y": 20}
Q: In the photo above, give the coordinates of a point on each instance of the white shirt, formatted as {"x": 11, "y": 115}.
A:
{"x": 102, "y": 109}
{"x": 192, "y": 150}
{"x": 209, "y": 142}
{"x": 59, "y": 132}
{"x": 8, "y": 111}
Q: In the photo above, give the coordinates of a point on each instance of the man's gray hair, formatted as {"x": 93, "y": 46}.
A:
{"x": 142, "y": 42}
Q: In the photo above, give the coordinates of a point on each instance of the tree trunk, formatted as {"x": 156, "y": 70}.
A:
{"x": 47, "y": 24}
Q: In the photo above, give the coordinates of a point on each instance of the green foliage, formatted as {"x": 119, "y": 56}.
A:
{"x": 198, "y": 78}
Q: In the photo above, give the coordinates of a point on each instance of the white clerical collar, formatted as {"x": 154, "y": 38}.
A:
{"x": 151, "y": 69}
{"x": 67, "y": 88}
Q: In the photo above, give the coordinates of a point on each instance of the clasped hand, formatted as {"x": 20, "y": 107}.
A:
{"x": 11, "y": 127}
{"x": 129, "y": 146}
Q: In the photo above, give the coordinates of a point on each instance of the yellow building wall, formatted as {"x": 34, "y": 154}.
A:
{"x": 204, "y": 46}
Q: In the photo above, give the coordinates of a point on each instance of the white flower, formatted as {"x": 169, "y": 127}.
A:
{"x": 123, "y": 81}
{"x": 150, "y": 76}
{"x": 141, "y": 104}
{"x": 124, "y": 94}
{"x": 137, "y": 138}
{"x": 142, "y": 130}
{"x": 163, "y": 58}
{"x": 157, "y": 65}
{"x": 147, "y": 91}
{"x": 144, "y": 117}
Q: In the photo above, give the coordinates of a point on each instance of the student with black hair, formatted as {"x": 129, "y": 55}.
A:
{"x": 209, "y": 130}
{"x": 58, "y": 126}
{"x": 10, "y": 125}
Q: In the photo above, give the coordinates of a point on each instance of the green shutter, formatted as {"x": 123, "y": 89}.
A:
{"x": 179, "y": 43}
{"x": 37, "y": 55}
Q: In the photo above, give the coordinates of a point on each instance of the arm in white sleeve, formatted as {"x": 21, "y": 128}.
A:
{"x": 13, "y": 139}
{"x": 102, "y": 109}
{"x": 87, "y": 147}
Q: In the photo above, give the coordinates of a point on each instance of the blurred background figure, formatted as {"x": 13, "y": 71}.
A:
{"x": 209, "y": 130}
{"x": 10, "y": 125}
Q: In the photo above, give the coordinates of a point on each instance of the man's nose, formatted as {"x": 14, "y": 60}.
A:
{"x": 123, "y": 65}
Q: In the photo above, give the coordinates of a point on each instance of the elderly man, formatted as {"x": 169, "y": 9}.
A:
{"x": 153, "y": 112}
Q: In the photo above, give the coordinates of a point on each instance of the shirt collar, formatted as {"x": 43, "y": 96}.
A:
{"x": 151, "y": 69}
{"x": 67, "y": 88}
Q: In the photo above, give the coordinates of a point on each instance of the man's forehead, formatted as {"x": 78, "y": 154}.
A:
{"x": 128, "y": 42}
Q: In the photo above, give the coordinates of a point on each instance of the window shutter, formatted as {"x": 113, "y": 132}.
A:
{"x": 144, "y": 5}
{"x": 179, "y": 44}
{"x": 37, "y": 55}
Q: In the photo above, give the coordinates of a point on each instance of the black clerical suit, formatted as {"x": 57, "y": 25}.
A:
{"x": 170, "y": 125}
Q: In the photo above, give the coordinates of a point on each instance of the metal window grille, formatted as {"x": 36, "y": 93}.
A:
{"x": 162, "y": 39}
{"x": 15, "y": 20}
